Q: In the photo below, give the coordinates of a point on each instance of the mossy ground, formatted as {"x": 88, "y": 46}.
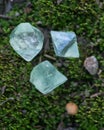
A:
{"x": 22, "y": 107}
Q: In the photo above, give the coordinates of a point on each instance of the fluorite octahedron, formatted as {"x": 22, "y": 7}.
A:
{"x": 26, "y": 40}
{"x": 45, "y": 77}
{"x": 65, "y": 44}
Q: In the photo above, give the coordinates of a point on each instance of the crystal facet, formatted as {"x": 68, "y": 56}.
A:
{"x": 26, "y": 40}
{"x": 46, "y": 77}
{"x": 65, "y": 44}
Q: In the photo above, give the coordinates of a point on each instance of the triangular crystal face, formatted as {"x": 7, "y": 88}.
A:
{"x": 26, "y": 40}
{"x": 65, "y": 44}
{"x": 45, "y": 77}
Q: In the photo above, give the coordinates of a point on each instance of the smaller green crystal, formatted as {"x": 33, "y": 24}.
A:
{"x": 65, "y": 44}
{"x": 26, "y": 40}
{"x": 45, "y": 77}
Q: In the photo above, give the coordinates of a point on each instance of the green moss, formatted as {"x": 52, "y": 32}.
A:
{"x": 22, "y": 106}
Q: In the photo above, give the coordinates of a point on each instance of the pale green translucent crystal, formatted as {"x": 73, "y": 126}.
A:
{"x": 65, "y": 44}
{"x": 26, "y": 40}
{"x": 45, "y": 77}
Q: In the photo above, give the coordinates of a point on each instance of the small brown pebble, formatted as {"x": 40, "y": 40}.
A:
{"x": 91, "y": 65}
{"x": 71, "y": 108}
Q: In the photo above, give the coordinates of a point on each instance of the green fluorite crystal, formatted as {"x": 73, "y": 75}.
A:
{"x": 45, "y": 77}
{"x": 65, "y": 44}
{"x": 26, "y": 40}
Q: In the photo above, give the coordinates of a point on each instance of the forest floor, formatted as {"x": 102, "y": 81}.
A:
{"x": 22, "y": 107}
